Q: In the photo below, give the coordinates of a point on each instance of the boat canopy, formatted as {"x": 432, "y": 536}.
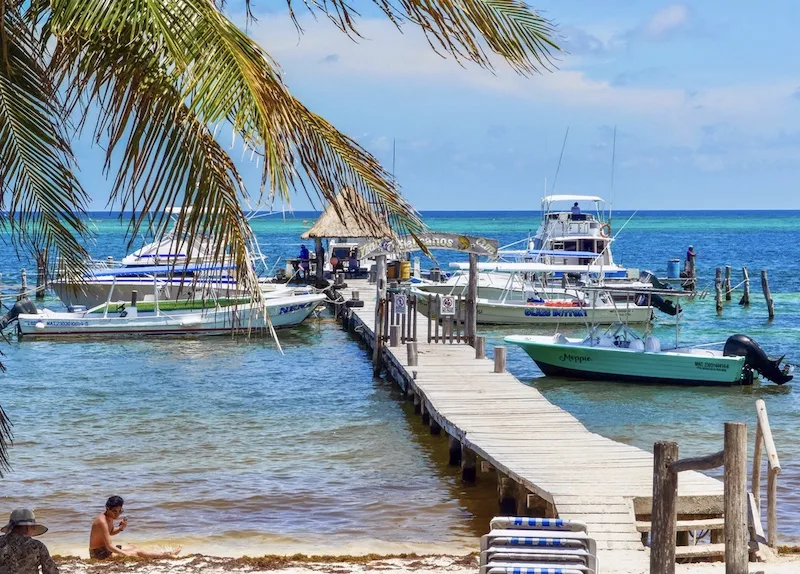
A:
{"x": 133, "y": 271}
{"x": 539, "y": 267}
{"x": 554, "y": 198}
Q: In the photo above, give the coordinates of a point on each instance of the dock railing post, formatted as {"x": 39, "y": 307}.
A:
{"x": 472, "y": 300}
{"x": 413, "y": 357}
{"x": 745, "y": 300}
{"x": 394, "y": 336}
{"x": 664, "y": 512}
{"x": 480, "y": 347}
{"x": 764, "y": 439}
{"x": 728, "y": 289}
{"x": 735, "y": 494}
{"x": 718, "y": 291}
{"x": 767, "y": 294}
{"x": 499, "y": 359}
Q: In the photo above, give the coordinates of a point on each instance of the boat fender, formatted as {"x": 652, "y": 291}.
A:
{"x": 605, "y": 230}
{"x": 755, "y": 358}
{"x": 23, "y": 306}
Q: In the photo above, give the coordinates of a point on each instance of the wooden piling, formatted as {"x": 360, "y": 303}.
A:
{"x": 394, "y": 335}
{"x": 413, "y": 356}
{"x": 23, "y": 289}
{"x": 735, "y": 489}
{"x": 380, "y": 287}
{"x": 41, "y": 274}
{"x": 728, "y": 283}
{"x": 454, "y": 446}
{"x": 664, "y": 515}
{"x": 417, "y": 404}
{"x": 506, "y": 495}
{"x": 480, "y": 347}
{"x": 435, "y": 428}
{"x": 718, "y": 291}
{"x": 745, "y": 300}
{"x": 423, "y": 410}
{"x": 499, "y": 359}
{"x": 767, "y": 294}
{"x": 469, "y": 463}
{"x": 320, "y": 259}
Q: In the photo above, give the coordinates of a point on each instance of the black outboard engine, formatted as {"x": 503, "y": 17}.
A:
{"x": 23, "y": 306}
{"x": 755, "y": 358}
{"x": 650, "y": 277}
{"x": 663, "y": 305}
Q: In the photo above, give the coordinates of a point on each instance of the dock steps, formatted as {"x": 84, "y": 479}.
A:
{"x": 686, "y": 525}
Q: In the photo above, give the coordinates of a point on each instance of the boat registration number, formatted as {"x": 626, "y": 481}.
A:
{"x": 555, "y": 313}
{"x": 32, "y": 323}
{"x": 709, "y": 366}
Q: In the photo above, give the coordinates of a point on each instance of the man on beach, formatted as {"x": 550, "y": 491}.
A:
{"x": 100, "y": 545}
{"x": 19, "y": 552}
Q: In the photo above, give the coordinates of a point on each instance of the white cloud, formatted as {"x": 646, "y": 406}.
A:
{"x": 666, "y": 20}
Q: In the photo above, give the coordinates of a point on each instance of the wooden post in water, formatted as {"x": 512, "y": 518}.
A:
{"x": 320, "y": 258}
{"x": 471, "y": 330}
{"x": 454, "y": 447}
{"x": 718, "y": 291}
{"x": 469, "y": 463}
{"x": 413, "y": 357}
{"x": 767, "y": 295}
{"x": 23, "y": 289}
{"x": 380, "y": 287}
{"x": 41, "y": 274}
{"x": 480, "y": 347}
{"x": 735, "y": 493}
{"x": 728, "y": 283}
{"x": 506, "y": 491}
{"x": 664, "y": 515}
{"x": 499, "y": 359}
{"x": 745, "y": 300}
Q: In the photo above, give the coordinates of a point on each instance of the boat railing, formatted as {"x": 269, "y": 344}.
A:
{"x": 764, "y": 442}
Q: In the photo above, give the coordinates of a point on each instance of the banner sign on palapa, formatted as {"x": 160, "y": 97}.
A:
{"x": 452, "y": 241}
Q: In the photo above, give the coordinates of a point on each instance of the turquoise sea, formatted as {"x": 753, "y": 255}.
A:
{"x": 227, "y": 447}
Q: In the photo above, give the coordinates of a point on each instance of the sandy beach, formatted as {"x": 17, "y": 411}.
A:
{"x": 616, "y": 563}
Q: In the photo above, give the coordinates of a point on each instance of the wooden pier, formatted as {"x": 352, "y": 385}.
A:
{"x": 547, "y": 463}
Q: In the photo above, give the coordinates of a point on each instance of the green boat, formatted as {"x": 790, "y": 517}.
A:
{"x": 620, "y": 354}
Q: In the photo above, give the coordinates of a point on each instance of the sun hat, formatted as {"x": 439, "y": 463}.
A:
{"x": 24, "y": 517}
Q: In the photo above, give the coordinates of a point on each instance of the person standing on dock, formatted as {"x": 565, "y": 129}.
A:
{"x": 690, "y": 255}
{"x": 305, "y": 261}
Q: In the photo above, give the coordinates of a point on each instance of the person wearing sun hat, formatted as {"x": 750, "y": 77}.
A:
{"x": 19, "y": 552}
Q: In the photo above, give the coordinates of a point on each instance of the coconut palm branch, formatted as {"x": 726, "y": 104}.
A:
{"x": 41, "y": 201}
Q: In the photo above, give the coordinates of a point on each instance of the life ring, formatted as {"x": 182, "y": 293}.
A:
{"x": 605, "y": 230}
{"x": 334, "y": 261}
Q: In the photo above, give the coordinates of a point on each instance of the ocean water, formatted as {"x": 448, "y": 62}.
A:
{"x": 227, "y": 447}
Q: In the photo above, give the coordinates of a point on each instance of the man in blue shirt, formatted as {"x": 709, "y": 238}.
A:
{"x": 576, "y": 210}
{"x": 305, "y": 259}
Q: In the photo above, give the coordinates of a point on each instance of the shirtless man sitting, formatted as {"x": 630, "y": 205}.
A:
{"x": 100, "y": 545}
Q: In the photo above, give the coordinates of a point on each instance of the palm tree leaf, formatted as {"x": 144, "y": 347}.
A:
{"x": 41, "y": 199}
{"x": 509, "y": 28}
{"x": 227, "y": 79}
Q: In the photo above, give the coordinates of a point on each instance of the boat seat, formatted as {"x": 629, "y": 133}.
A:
{"x": 652, "y": 344}
{"x": 636, "y": 345}
{"x": 559, "y": 339}
{"x": 606, "y": 341}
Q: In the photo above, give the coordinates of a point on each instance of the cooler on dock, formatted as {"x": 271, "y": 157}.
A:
{"x": 674, "y": 269}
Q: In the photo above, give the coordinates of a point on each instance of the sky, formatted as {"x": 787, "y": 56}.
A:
{"x": 704, "y": 98}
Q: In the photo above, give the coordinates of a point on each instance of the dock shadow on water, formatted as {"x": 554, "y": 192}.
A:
{"x": 227, "y": 447}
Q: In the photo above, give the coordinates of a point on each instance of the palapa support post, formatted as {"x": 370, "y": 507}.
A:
{"x": 767, "y": 294}
{"x": 735, "y": 494}
{"x": 664, "y": 513}
{"x": 472, "y": 300}
{"x": 499, "y": 359}
{"x": 394, "y": 336}
{"x": 380, "y": 288}
{"x": 506, "y": 495}
{"x": 320, "y": 258}
{"x": 480, "y": 347}
{"x": 413, "y": 356}
{"x": 469, "y": 464}
{"x": 728, "y": 289}
{"x": 454, "y": 446}
{"x": 718, "y": 291}
{"x": 745, "y": 300}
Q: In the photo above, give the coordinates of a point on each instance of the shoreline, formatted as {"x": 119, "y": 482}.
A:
{"x": 611, "y": 562}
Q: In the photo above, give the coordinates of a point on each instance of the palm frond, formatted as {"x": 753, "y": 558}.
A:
{"x": 461, "y": 28}
{"x": 41, "y": 200}
{"x": 226, "y": 79}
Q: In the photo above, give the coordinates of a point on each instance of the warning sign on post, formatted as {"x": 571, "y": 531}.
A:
{"x": 447, "y": 306}
{"x": 400, "y": 304}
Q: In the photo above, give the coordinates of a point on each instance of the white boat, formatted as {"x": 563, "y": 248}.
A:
{"x": 287, "y": 311}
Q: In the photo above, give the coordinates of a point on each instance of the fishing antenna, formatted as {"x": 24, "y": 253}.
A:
{"x": 560, "y": 157}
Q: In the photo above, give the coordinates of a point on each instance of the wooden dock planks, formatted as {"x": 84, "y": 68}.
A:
{"x": 520, "y": 433}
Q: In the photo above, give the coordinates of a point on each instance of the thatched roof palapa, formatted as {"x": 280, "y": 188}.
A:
{"x": 349, "y": 215}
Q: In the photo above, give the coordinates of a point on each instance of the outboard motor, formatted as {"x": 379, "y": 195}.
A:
{"x": 23, "y": 306}
{"x": 650, "y": 277}
{"x": 755, "y": 358}
{"x": 663, "y": 305}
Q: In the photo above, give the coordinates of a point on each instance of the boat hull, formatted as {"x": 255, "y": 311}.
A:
{"x": 624, "y": 365}
{"x": 284, "y": 312}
